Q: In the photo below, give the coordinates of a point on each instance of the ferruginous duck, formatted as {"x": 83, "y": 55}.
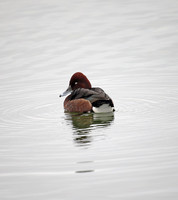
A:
{"x": 83, "y": 98}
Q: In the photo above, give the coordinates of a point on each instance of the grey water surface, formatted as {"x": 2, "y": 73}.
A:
{"x": 127, "y": 47}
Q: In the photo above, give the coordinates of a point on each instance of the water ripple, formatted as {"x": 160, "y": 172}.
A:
{"x": 28, "y": 113}
{"x": 146, "y": 105}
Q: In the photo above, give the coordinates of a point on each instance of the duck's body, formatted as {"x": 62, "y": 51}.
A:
{"x": 84, "y": 98}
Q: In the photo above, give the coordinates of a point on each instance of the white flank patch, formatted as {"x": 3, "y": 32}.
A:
{"x": 105, "y": 108}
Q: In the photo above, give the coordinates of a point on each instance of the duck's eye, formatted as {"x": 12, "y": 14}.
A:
{"x": 75, "y": 83}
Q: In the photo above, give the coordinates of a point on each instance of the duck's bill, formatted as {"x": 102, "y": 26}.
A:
{"x": 68, "y": 91}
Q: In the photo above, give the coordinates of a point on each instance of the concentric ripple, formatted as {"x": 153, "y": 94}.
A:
{"x": 28, "y": 106}
{"x": 22, "y": 114}
{"x": 147, "y": 105}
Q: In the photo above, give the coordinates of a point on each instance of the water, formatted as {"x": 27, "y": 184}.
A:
{"x": 128, "y": 48}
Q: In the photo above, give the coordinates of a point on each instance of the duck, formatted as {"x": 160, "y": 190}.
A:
{"x": 83, "y": 98}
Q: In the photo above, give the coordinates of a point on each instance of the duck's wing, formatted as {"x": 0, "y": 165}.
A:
{"x": 92, "y": 95}
{"x": 101, "y": 98}
{"x": 83, "y": 93}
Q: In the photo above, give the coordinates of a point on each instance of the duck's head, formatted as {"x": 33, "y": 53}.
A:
{"x": 78, "y": 80}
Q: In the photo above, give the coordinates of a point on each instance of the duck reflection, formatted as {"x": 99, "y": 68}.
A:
{"x": 84, "y": 124}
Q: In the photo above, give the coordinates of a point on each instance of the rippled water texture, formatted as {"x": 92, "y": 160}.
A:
{"x": 127, "y": 47}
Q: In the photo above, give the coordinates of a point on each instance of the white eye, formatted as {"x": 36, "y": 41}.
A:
{"x": 75, "y": 83}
